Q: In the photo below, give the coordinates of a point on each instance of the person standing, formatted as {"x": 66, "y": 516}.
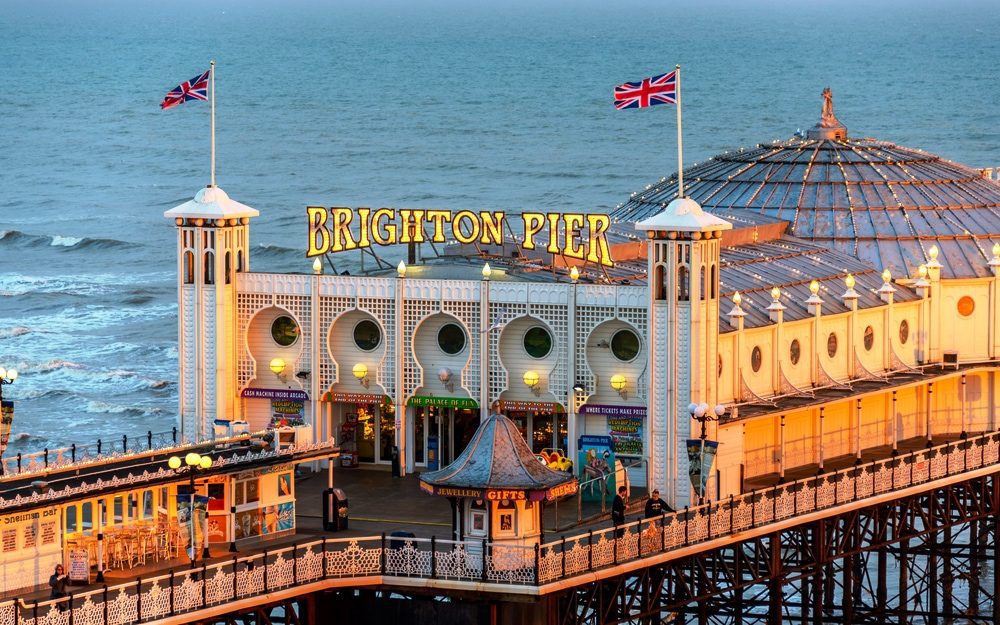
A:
{"x": 618, "y": 511}
{"x": 58, "y": 581}
{"x": 655, "y": 507}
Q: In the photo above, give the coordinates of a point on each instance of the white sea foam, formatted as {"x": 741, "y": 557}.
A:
{"x": 59, "y": 241}
{"x": 8, "y": 333}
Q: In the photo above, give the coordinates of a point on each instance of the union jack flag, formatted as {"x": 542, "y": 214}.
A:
{"x": 194, "y": 89}
{"x": 660, "y": 89}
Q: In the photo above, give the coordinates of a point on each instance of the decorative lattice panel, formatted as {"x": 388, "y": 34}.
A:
{"x": 556, "y": 316}
{"x": 329, "y": 309}
{"x": 384, "y": 310}
{"x": 467, "y": 312}
{"x": 247, "y": 305}
{"x": 414, "y": 311}
{"x": 301, "y": 308}
{"x": 500, "y": 313}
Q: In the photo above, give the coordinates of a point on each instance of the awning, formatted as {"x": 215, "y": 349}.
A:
{"x": 503, "y": 494}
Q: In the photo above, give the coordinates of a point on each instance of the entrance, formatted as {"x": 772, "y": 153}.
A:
{"x": 365, "y": 432}
{"x": 454, "y": 428}
{"x": 542, "y": 429}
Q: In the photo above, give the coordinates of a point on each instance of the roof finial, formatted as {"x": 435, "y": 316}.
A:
{"x": 829, "y": 120}
{"x": 829, "y": 127}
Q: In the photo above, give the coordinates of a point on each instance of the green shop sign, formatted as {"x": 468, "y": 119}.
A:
{"x": 442, "y": 402}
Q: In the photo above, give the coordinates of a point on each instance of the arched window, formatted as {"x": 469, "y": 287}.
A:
{"x": 209, "y": 268}
{"x": 660, "y": 283}
{"x": 189, "y": 267}
{"x": 683, "y": 288}
{"x": 229, "y": 278}
{"x": 714, "y": 286}
{"x": 239, "y": 261}
{"x": 702, "y": 292}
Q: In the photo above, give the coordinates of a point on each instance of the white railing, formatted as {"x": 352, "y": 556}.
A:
{"x": 478, "y": 562}
{"x": 47, "y": 459}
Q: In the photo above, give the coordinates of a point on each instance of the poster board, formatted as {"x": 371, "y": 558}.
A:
{"x": 79, "y": 566}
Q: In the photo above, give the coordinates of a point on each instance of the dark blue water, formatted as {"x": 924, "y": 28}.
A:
{"x": 449, "y": 105}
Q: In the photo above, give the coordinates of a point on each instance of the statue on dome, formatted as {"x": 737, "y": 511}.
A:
{"x": 828, "y": 120}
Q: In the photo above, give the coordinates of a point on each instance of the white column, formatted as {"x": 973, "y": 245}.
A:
{"x": 571, "y": 424}
{"x": 400, "y": 390}
{"x": 781, "y": 451}
{"x": 485, "y": 323}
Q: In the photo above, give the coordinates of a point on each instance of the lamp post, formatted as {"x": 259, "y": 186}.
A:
{"x": 703, "y": 414}
{"x": 193, "y": 462}
{"x": 7, "y": 376}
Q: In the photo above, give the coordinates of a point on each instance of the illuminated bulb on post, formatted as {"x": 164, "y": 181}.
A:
{"x": 193, "y": 459}
{"x": 487, "y": 272}
{"x": 174, "y": 462}
{"x": 849, "y": 281}
{"x": 933, "y": 252}
{"x": 574, "y": 274}
{"x": 814, "y": 287}
{"x": 206, "y": 462}
{"x": 922, "y": 271}
{"x": 996, "y": 249}
{"x": 317, "y": 266}
{"x": 775, "y": 293}
{"x": 401, "y": 269}
{"x": 886, "y": 276}
{"x": 737, "y": 298}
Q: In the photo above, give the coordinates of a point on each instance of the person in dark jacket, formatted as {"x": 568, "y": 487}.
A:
{"x": 58, "y": 581}
{"x": 655, "y": 506}
{"x": 618, "y": 511}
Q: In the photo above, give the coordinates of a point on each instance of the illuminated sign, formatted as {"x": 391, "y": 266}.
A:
{"x": 339, "y": 229}
{"x": 506, "y": 495}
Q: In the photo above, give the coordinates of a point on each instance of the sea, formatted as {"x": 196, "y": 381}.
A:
{"x": 501, "y": 105}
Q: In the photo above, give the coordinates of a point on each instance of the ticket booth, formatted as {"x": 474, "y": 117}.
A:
{"x": 497, "y": 489}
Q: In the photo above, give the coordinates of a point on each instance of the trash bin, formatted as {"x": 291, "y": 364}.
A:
{"x": 394, "y": 455}
{"x": 334, "y": 510}
{"x": 397, "y": 539}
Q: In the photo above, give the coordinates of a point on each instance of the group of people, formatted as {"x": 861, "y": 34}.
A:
{"x": 655, "y": 507}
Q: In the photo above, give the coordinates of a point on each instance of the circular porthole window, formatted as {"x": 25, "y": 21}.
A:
{"x": 367, "y": 335}
{"x": 904, "y": 331}
{"x": 285, "y": 331}
{"x": 869, "y": 338}
{"x": 451, "y": 338}
{"x": 625, "y": 345}
{"x": 831, "y": 345}
{"x": 756, "y": 358}
{"x": 794, "y": 351}
{"x": 537, "y": 342}
{"x": 966, "y": 306}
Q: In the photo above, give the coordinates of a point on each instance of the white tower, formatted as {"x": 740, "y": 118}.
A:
{"x": 213, "y": 243}
{"x": 683, "y": 257}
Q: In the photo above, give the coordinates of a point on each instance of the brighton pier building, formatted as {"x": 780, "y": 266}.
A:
{"x": 805, "y": 302}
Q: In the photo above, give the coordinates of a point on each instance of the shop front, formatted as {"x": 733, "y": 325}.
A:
{"x": 365, "y": 424}
{"x": 625, "y": 428}
{"x": 442, "y": 428}
{"x": 273, "y": 409}
{"x": 543, "y": 424}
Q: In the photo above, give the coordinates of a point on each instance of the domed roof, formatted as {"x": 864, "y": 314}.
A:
{"x": 880, "y": 202}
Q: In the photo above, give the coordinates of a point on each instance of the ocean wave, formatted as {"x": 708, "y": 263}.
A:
{"x": 51, "y": 393}
{"x": 9, "y": 333}
{"x": 94, "y": 406}
{"x": 21, "y": 239}
{"x": 52, "y": 365}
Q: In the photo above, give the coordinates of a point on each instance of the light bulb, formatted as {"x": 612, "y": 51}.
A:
{"x": 401, "y": 269}
{"x": 317, "y": 266}
{"x": 574, "y": 274}
{"x": 487, "y": 272}
{"x": 775, "y": 293}
{"x": 174, "y": 462}
{"x": 922, "y": 271}
{"x": 886, "y": 276}
{"x": 933, "y": 252}
{"x": 814, "y": 287}
{"x": 193, "y": 459}
{"x": 849, "y": 281}
{"x": 737, "y": 298}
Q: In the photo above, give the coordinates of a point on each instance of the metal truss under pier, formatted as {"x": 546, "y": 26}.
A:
{"x": 925, "y": 558}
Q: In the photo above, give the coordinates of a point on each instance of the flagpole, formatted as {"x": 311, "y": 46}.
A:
{"x": 212, "y": 97}
{"x": 680, "y": 141}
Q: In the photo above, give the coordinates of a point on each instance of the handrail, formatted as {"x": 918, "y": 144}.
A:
{"x": 479, "y": 561}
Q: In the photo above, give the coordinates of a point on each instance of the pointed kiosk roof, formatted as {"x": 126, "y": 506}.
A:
{"x": 683, "y": 215}
{"x": 211, "y": 203}
{"x": 498, "y": 460}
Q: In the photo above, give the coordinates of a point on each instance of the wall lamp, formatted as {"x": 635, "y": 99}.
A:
{"x": 531, "y": 380}
{"x": 619, "y": 383}
{"x": 277, "y": 366}
{"x": 360, "y": 372}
